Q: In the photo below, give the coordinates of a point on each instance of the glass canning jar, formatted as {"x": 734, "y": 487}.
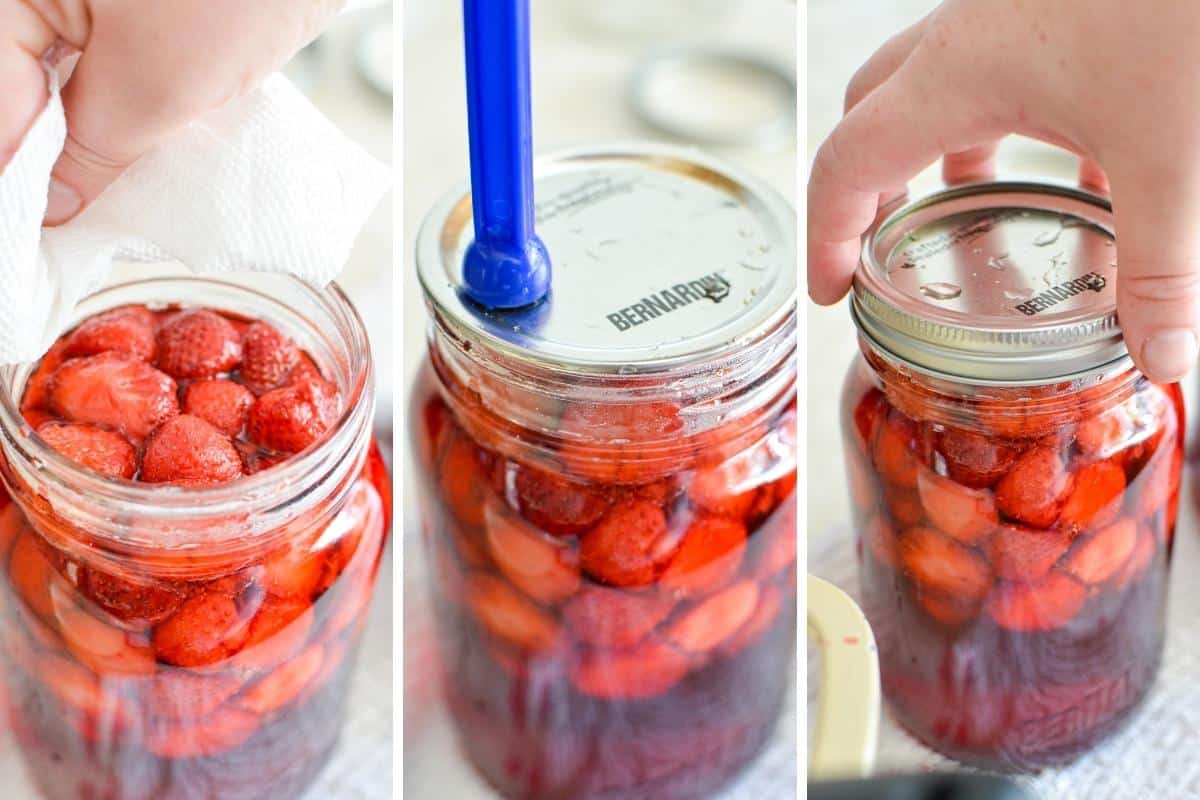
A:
{"x": 612, "y": 524}
{"x": 169, "y": 642}
{"x": 1014, "y": 480}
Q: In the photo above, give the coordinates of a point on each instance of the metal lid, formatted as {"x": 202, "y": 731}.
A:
{"x": 662, "y": 256}
{"x": 1003, "y": 282}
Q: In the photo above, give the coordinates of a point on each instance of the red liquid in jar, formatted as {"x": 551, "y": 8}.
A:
{"x": 608, "y": 630}
{"x": 1014, "y": 564}
{"x": 164, "y": 678}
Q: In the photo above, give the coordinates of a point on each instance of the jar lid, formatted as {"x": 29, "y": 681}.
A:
{"x": 661, "y": 257}
{"x": 1001, "y": 282}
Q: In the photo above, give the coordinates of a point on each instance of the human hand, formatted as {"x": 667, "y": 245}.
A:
{"x": 1117, "y": 83}
{"x": 145, "y": 70}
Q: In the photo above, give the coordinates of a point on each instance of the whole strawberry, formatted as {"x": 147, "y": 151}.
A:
{"x": 115, "y": 391}
{"x": 267, "y": 358}
{"x": 189, "y": 451}
{"x": 129, "y": 329}
{"x": 293, "y": 417}
{"x": 220, "y": 402}
{"x": 198, "y": 343}
{"x": 104, "y": 451}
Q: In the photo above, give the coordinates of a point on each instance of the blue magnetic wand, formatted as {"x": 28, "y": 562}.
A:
{"x": 507, "y": 265}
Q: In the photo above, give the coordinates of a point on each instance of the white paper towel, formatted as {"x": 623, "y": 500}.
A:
{"x": 264, "y": 184}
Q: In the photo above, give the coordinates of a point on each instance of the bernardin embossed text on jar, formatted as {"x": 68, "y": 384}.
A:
{"x": 196, "y": 520}
{"x": 607, "y": 481}
{"x": 1014, "y": 479}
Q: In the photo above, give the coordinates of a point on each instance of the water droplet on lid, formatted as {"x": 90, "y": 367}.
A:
{"x": 1046, "y": 238}
{"x": 976, "y": 250}
{"x": 1108, "y": 242}
{"x": 1018, "y": 294}
{"x": 941, "y": 291}
{"x": 998, "y": 262}
{"x": 1113, "y": 264}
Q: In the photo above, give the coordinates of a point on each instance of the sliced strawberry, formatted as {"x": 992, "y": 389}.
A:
{"x": 715, "y": 619}
{"x": 283, "y": 684}
{"x": 293, "y": 417}
{"x": 1025, "y": 554}
{"x": 646, "y": 670}
{"x": 76, "y": 687}
{"x": 198, "y": 343}
{"x": 880, "y": 536}
{"x": 709, "y": 557}
{"x": 903, "y": 505}
{"x": 221, "y": 731}
{"x": 942, "y": 565}
{"x": 277, "y": 633}
{"x": 30, "y": 574}
{"x": 137, "y": 603}
{"x": 463, "y": 477}
{"x": 612, "y": 438}
{"x": 728, "y": 488}
{"x": 268, "y": 358}
{"x": 629, "y": 546}
{"x": 1034, "y": 489}
{"x": 1096, "y": 558}
{"x": 129, "y": 330}
{"x": 222, "y": 403}
{"x": 207, "y": 628}
{"x": 975, "y": 460}
{"x": 1095, "y": 500}
{"x": 506, "y": 613}
{"x": 770, "y": 603}
{"x": 104, "y": 648}
{"x": 544, "y": 567}
{"x": 1139, "y": 561}
{"x": 294, "y": 572}
{"x": 558, "y": 505}
{"x": 189, "y": 451}
{"x": 869, "y": 413}
{"x": 895, "y": 451}
{"x": 966, "y": 514}
{"x": 104, "y": 451}
{"x": 617, "y": 618}
{"x": 37, "y": 387}
{"x": 1042, "y": 606}
{"x": 952, "y": 612}
{"x": 114, "y": 391}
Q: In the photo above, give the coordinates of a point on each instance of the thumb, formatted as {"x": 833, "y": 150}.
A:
{"x": 1158, "y": 276}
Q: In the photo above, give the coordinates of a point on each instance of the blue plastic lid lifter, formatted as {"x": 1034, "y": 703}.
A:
{"x": 506, "y": 266}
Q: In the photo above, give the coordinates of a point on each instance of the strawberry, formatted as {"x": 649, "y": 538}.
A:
{"x": 1034, "y": 489}
{"x": 283, "y": 684}
{"x": 1143, "y": 554}
{"x": 189, "y": 451}
{"x": 506, "y": 613}
{"x": 715, "y": 619}
{"x": 542, "y": 566}
{"x": 267, "y": 358}
{"x": 1103, "y": 434}
{"x": 617, "y": 618}
{"x": 904, "y": 506}
{"x": 941, "y": 565}
{"x": 198, "y": 343}
{"x": 950, "y": 611}
{"x": 869, "y": 413}
{"x": 104, "y": 451}
{"x": 864, "y": 489}
{"x": 880, "y": 536}
{"x": 1095, "y": 499}
{"x": 463, "y": 477}
{"x": 1025, "y": 554}
{"x": 1041, "y": 606}
{"x": 966, "y": 514}
{"x": 556, "y": 504}
{"x": 295, "y": 416}
{"x": 648, "y": 669}
{"x": 207, "y": 627}
{"x": 770, "y": 602}
{"x": 222, "y": 403}
{"x": 219, "y": 732}
{"x": 30, "y": 574}
{"x": 180, "y": 695}
{"x": 114, "y": 391}
{"x": 975, "y": 460}
{"x": 629, "y": 547}
{"x": 102, "y": 647}
{"x": 727, "y": 488}
{"x": 139, "y": 603}
{"x": 895, "y": 451}
{"x": 129, "y": 330}
{"x": 709, "y": 557}
{"x": 1096, "y": 558}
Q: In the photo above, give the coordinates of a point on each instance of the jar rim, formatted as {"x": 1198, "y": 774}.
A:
{"x": 253, "y": 495}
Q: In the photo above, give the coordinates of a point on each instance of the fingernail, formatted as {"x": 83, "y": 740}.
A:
{"x": 63, "y": 203}
{"x": 1168, "y": 355}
